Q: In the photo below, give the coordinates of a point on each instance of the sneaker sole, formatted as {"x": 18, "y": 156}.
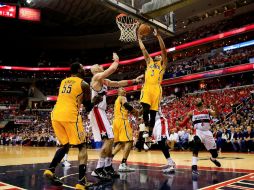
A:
{"x": 101, "y": 178}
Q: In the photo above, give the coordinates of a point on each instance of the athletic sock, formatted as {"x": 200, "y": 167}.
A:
{"x": 100, "y": 163}
{"x": 65, "y": 157}
{"x": 170, "y": 161}
{"x": 194, "y": 160}
{"x": 108, "y": 161}
{"x": 82, "y": 171}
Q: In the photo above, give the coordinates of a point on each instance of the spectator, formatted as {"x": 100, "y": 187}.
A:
{"x": 249, "y": 139}
{"x": 173, "y": 139}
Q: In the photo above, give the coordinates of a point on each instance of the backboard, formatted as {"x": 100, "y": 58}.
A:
{"x": 156, "y": 13}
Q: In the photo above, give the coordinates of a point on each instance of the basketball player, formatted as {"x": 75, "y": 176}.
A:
{"x": 122, "y": 130}
{"x": 201, "y": 121}
{"x": 101, "y": 127}
{"x": 161, "y": 136}
{"x": 67, "y": 122}
{"x": 151, "y": 92}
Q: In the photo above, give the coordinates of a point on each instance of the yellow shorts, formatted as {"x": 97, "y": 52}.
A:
{"x": 69, "y": 132}
{"x": 122, "y": 130}
{"x": 151, "y": 94}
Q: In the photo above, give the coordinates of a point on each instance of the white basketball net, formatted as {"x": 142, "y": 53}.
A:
{"x": 128, "y": 27}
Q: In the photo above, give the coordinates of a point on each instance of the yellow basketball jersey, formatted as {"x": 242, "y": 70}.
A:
{"x": 69, "y": 100}
{"x": 154, "y": 73}
{"x": 119, "y": 110}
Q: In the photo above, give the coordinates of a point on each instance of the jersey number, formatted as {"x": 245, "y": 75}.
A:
{"x": 67, "y": 89}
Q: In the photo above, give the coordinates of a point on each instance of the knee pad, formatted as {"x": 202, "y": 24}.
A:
{"x": 196, "y": 144}
{"x": 214, "y": 153}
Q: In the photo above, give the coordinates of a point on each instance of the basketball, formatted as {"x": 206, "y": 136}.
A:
{"x": 144, "y": 30}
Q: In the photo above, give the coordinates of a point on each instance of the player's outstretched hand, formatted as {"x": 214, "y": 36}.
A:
{"x": 155, "y": 32}
{"x": 115, "y": 57}
{"x": 139, "y": 79}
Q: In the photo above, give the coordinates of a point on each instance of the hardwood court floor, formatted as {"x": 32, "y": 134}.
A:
{"x": 23, "y": 167}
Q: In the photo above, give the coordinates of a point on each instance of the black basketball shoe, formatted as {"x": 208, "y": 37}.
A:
{"x": 195, "y": 170}
{"x": 216, "y": 162}
{"x": 111, "y": 172}
{"x": 100, "y": 173}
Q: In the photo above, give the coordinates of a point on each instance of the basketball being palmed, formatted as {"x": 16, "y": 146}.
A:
{"x": 144, "y": 30}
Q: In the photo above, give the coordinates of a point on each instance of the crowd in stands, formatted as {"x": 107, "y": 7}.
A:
{"x": 214, "y": 28}
{"x": 38, "y": 132}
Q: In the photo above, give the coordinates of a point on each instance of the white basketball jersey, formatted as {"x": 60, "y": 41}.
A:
{"x": 201, "y": 120}
{"x": 103, "y": 92}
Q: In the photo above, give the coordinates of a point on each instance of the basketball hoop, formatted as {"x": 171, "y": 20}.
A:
{"x": 128, "y": 27}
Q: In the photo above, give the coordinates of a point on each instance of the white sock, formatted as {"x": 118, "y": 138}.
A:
{"x": 170, "y": 161}
{"x": 194, "y": 160}
{"x": 108, "y": 161}
{"x": 101, "y": 163}
{"x": 65, "y": 157}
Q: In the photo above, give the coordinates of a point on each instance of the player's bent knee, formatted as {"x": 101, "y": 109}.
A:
{"x": 81, "y": 146}
{"x": 214, "y": 153}
{"x": 66, "y": 147}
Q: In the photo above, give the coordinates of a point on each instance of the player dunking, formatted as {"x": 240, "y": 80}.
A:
{"x": 123, "y": 137}
{"x": 161, "y": 136}
{"x": 101, "y": 127}
{"x": 67, "y": 122}
{"x": 201, "y": 118}
{"x": 151, "y": 92}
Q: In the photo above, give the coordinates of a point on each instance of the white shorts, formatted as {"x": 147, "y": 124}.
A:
{"x": 160, "y": 129}
{"x": 207, "y": 139}
{"x": 101, "y": 127}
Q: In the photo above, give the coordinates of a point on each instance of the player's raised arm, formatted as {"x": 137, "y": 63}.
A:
{"x": 143, "y": 49}
{"x": 109, "y": 71}
{"x": 163, "y": 48}
{"x": 123, "y": 82}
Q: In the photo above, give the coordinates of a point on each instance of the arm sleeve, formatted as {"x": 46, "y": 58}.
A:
{"x": 128, "y": 107}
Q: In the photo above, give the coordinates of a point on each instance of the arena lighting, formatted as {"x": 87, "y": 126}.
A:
{"x": 134, "y": 60}
{"x": 188, "y": 78}
{"x": 29, "y": 1}
{"x": 29, "y": 14}
{"x": 240, "y": 45}
{"x": 35, "y": 68}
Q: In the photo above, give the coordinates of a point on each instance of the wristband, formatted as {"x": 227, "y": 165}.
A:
{"x": 130, "y": 82}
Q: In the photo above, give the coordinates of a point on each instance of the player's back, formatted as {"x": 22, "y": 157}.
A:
{"x": 69, "y": 100}
{"x": 154, "y": 73}
{"x": 119, "y": 110}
